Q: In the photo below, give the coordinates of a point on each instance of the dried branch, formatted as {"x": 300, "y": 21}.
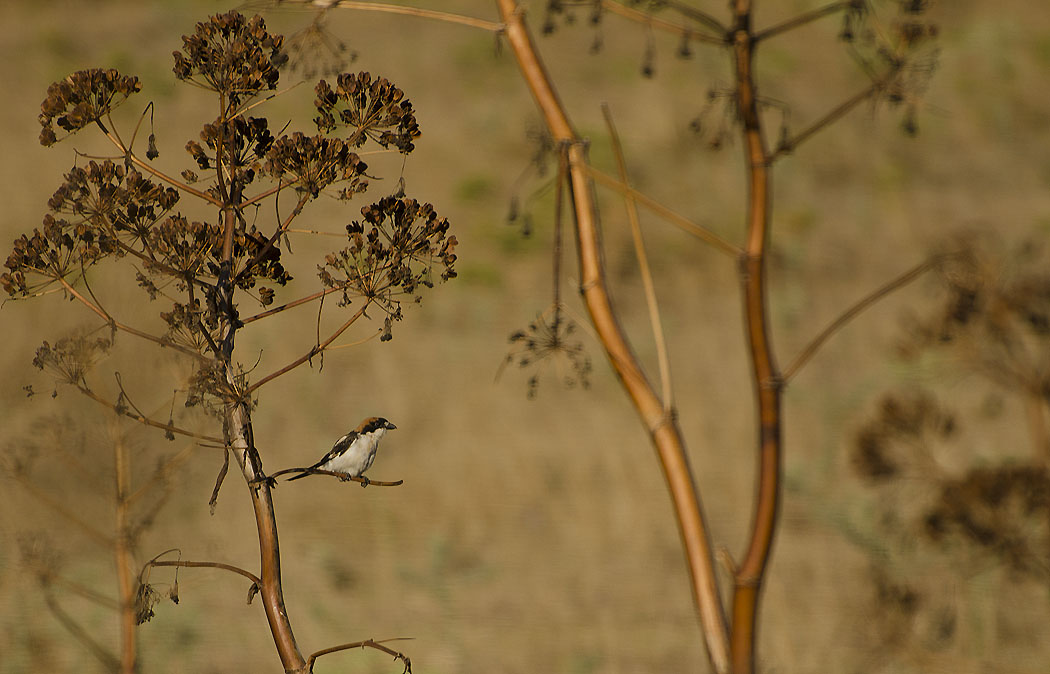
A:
{"x": 128, "y": 329}
{"x": 367, "y": 643}
{"x": 668, "y": 27}
{"x": 804, "y": 18}
{"x": 319, "y": 348}
{"x": 288, "y": 305}
{"x": 667, "y": 214}
{"x": 345, "y": 477}
{"x": 108, "y": 660}
{"x": 643, "y": 266}
{"x": 788, "y": 145}
{"x": 271, "y": 242}
{"x": 421, "y": 13}
{"x": 137, "y": 416}
{"x": 203, "y": 565}
{"x": 127, "y": 153}
{"x": 85, "y": 592}
{"x": 99, "y": 537}
{"x": 864, "y": 303}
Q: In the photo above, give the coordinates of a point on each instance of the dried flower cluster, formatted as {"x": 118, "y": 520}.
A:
{"x": 71, "y": 357}
{"x": 1003, "y": 510}
{"x": 995, "y": 315}
{"x": 370, "y": 108}
{"x": 111, "y": 210}
{"x": 315, "y": 163}
{"x": 244, "y": 140}
{"x": 893, "y": 444}
{"x": 83, "y": 98}
{"x": 232, "y": 55}
{"x": 316, "y": 51}
{"x": 550, "y": 339}
{"x": 395, "y": 251}
{"x": 900, "y": 56}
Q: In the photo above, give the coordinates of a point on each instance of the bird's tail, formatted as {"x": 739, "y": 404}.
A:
{"x": 303, "y": 474}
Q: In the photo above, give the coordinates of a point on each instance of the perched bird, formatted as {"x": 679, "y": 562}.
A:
{"x": 354, "y": 453}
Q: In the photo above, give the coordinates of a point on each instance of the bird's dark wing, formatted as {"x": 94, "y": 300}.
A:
{"x": 341, "y": 445}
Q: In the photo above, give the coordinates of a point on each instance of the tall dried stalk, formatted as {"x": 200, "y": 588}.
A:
{"x": 660, "y": 420}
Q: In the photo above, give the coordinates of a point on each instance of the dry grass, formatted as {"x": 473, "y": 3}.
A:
{"x": 535, "y": 536}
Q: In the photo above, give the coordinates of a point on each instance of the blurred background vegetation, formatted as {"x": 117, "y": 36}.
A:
{"x": 536, "y": 535}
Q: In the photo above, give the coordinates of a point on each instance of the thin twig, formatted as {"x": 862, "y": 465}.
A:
{"x": 802, "y": 19}
{"x": 311, "y": 353}
{"x": 699, "y": 15}
{"x": 162, "y": 472}
{"x": 345, "y": 477}
{"x": 289, "y": 305}
{"x": 131, "y": 156}
{"x": 145, "y": 420}
{"x": 643, "y": 266}
{"x": 59, "y": 507}
{"x": 205, "y": 565}
{"x": 788, "y": 145}
{"x": 675, "y": 219}
{"x": 666, "y": 26}
{"x": 814, "y": 345}
{"x": 126, "y": 328}
{"x": 85, "y": 592}
{"x": 270, "y": 243}
{"x": 369, "y": 643}
{"x": 294, "y": 230}
{"x": 80, "y": 634}
{"x": 421, "y": 13}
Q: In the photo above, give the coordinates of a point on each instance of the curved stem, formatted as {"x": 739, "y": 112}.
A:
{"x": 367, "y": 643}
{"x": 311, "y": 353}
{"x": 768, "y": 384}
{"x": 207, "y": 565}
{"x": 665, "y": 434}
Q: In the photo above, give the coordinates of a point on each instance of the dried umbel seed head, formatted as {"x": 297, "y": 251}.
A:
{"x": 393, "y": 252}
{"x": 373, "y": 109}
{"x": 83, "y": 98}
{"x": 1003, "y": 510}
{"x": 908, "y": 424}
{"x": 248, "y": 138}
{"x": 232, "y": 55}
{"x": 104, "y": 209}
{"x": 550, "y": 339}
{"x": 70, "y": 358}
{"x": 313, "y": 163}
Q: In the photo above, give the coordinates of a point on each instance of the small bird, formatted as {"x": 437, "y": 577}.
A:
{"x": 353, "y": 453}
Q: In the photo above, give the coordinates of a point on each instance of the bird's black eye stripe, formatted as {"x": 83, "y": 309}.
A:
{"x": 375, "y": 425}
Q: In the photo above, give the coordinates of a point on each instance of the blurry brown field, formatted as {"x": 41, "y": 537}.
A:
{"x": 535, "y": 536}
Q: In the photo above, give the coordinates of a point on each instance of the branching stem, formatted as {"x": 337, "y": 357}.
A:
{"x": 864, "y": 303}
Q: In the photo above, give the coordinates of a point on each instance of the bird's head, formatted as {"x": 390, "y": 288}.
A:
{"x": 375, "y": 425}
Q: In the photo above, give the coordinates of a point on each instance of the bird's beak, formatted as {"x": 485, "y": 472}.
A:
{"x": 391, "y": 426}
